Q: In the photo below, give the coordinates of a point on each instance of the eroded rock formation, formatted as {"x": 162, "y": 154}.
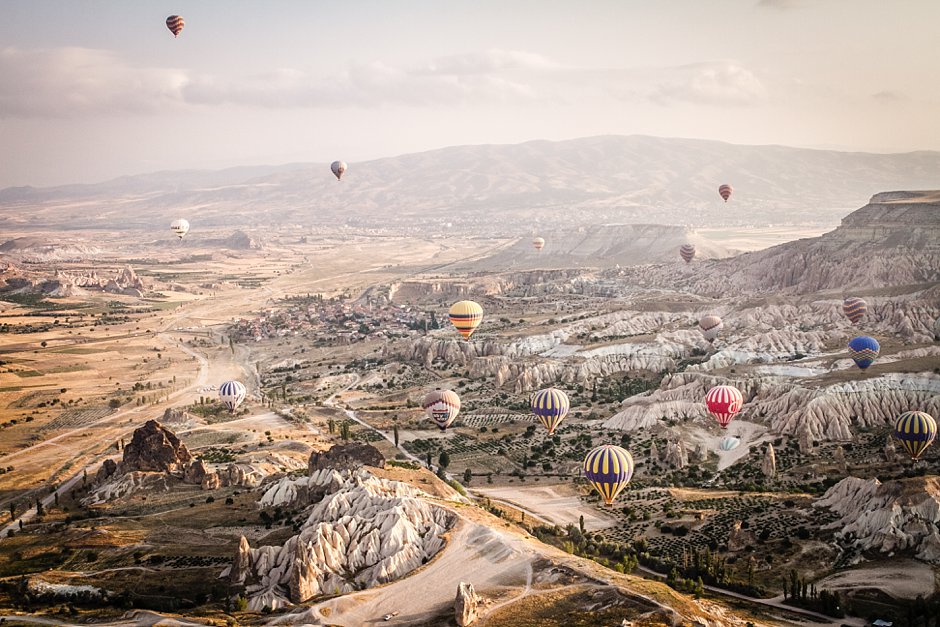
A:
{"x": 364, "y": 532}
{"x": 894, "y": 517}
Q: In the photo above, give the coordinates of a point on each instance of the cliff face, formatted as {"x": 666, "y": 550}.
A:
{"x": 364, "y": 532}
{"x": 893, "y": 517}
{"x": 893, "y": 240}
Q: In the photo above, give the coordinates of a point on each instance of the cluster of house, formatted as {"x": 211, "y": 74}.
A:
{"x": 334, "y": 320}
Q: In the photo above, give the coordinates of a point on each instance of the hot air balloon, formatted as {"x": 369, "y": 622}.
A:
{"x": 175, "y": 23}
{"x": 864, "y": 350}
{"x": 180, "y": 227}
{"x": 609, "y": 469}
{"x": 729, "y": 443}
{"x": 724, "y": 402}
{"x": 232, "y": 393}
{"x": 338, "y": 168}
{"x": 710, "y": 326}
{"x": 442, "y": 407}
{"x": 550, "y": 406}
{"x": 466, "y": 315}
{"x": 915, "y": 430}
{"x": 725, "y": 191}
{"x": 854, "y": 308}
{"x": 687, "y": 252}
{"x": 538, "y": 243}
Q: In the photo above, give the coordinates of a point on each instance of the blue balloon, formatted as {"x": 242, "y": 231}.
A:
{"x": 864, "y": 350}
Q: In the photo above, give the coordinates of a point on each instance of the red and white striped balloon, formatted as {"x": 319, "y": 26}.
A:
{"x": 687, "y": 252}
{"x": 724, "y": 402}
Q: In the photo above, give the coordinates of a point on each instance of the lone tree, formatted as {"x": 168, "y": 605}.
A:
{"x": 467, "y": 476}
{"x": 395, "y": 434}
{"x": 444, "y": 460}
{"x": 344, "y": 431}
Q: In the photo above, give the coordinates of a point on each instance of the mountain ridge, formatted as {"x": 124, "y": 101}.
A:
{"x": 485, "y": 188}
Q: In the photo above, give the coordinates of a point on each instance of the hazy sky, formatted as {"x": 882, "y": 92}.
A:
{"x": 93, "y": 90}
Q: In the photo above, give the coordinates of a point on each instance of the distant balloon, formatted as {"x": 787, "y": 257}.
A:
{"x": 175, "y": 23}
{"x": 916, "y": 431}
{"x": 724, "y": 402}
{"x": 854, "y": 308}
{"x": 232, "y": 393}
{"x": 864, "y": 350}
{"x": 710, "y": 326}
{"x": 729, "y": 444}
{"x": 609, "y": 469}
{"x": 550, "y": 406}
{"x": 180, "y": 227}
{"x": 687, "y": 252}
{"x": 725, "y": 191}
{"x": 442, "y": 407}
{"x": 338, "y": 168}
{"x": 466, "y": 316}
{"x": 538, "y": 243}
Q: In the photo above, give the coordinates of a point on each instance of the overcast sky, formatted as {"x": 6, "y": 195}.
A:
{"x": 93, "y": 90}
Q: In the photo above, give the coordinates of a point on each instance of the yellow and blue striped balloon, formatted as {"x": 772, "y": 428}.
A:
{"x": 609, "y": 469}
{"x": 864, "y": 350}
{"x": 550, "y": 406}
{"x": 466, "y": 316}
{"x": 915, "y": 430}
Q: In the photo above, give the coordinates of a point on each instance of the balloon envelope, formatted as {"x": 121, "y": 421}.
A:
{"x": 538, "y": 243}
{"x": 442, "y": 407}
{"x": 175, "y": 23}
{"x": 725, "y": 191}
{"x": 338, "y": 168}
{"x": 854, "y": 308}
{"x": 466, "y": 316}
{"x": 687, "y": 252}
{"x": 550, "y": 406}
{"x": 609, "y": 469}
{"x": 232, "y": 393}
{"x": 724, "y": 402}
{"x": 180, "y": 227}
{"x": 864, "y": 350}
{"x": 710, "y": 326}
{"x": 915, "y": 430}
{"x": 729, "y": 444}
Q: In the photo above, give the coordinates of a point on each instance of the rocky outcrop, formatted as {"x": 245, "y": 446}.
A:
{"x": 195, "y": 472}
{"x": 890, "y": 451}
{"x": 106, "y": 471}
{"x": 365, "y": 532}
{"x": 239, "y": 240}
{"x": 894, "y": 517}
{"x": 241, "y": 564}
{"x": 739, "y": 538}
{"x": 346, "y": 457}
{"x": 466, "y": 604}
{"x": 768, "y": 465}
{"x": 676, "y": 455}
{"x": 838, "y": 457}
{"x": 153, "y": 447}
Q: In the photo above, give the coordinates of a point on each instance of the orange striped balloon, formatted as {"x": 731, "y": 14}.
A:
{"x": 466, "y": 316}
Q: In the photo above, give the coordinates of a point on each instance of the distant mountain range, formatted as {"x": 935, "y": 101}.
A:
{"x": 496, "y": 189}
